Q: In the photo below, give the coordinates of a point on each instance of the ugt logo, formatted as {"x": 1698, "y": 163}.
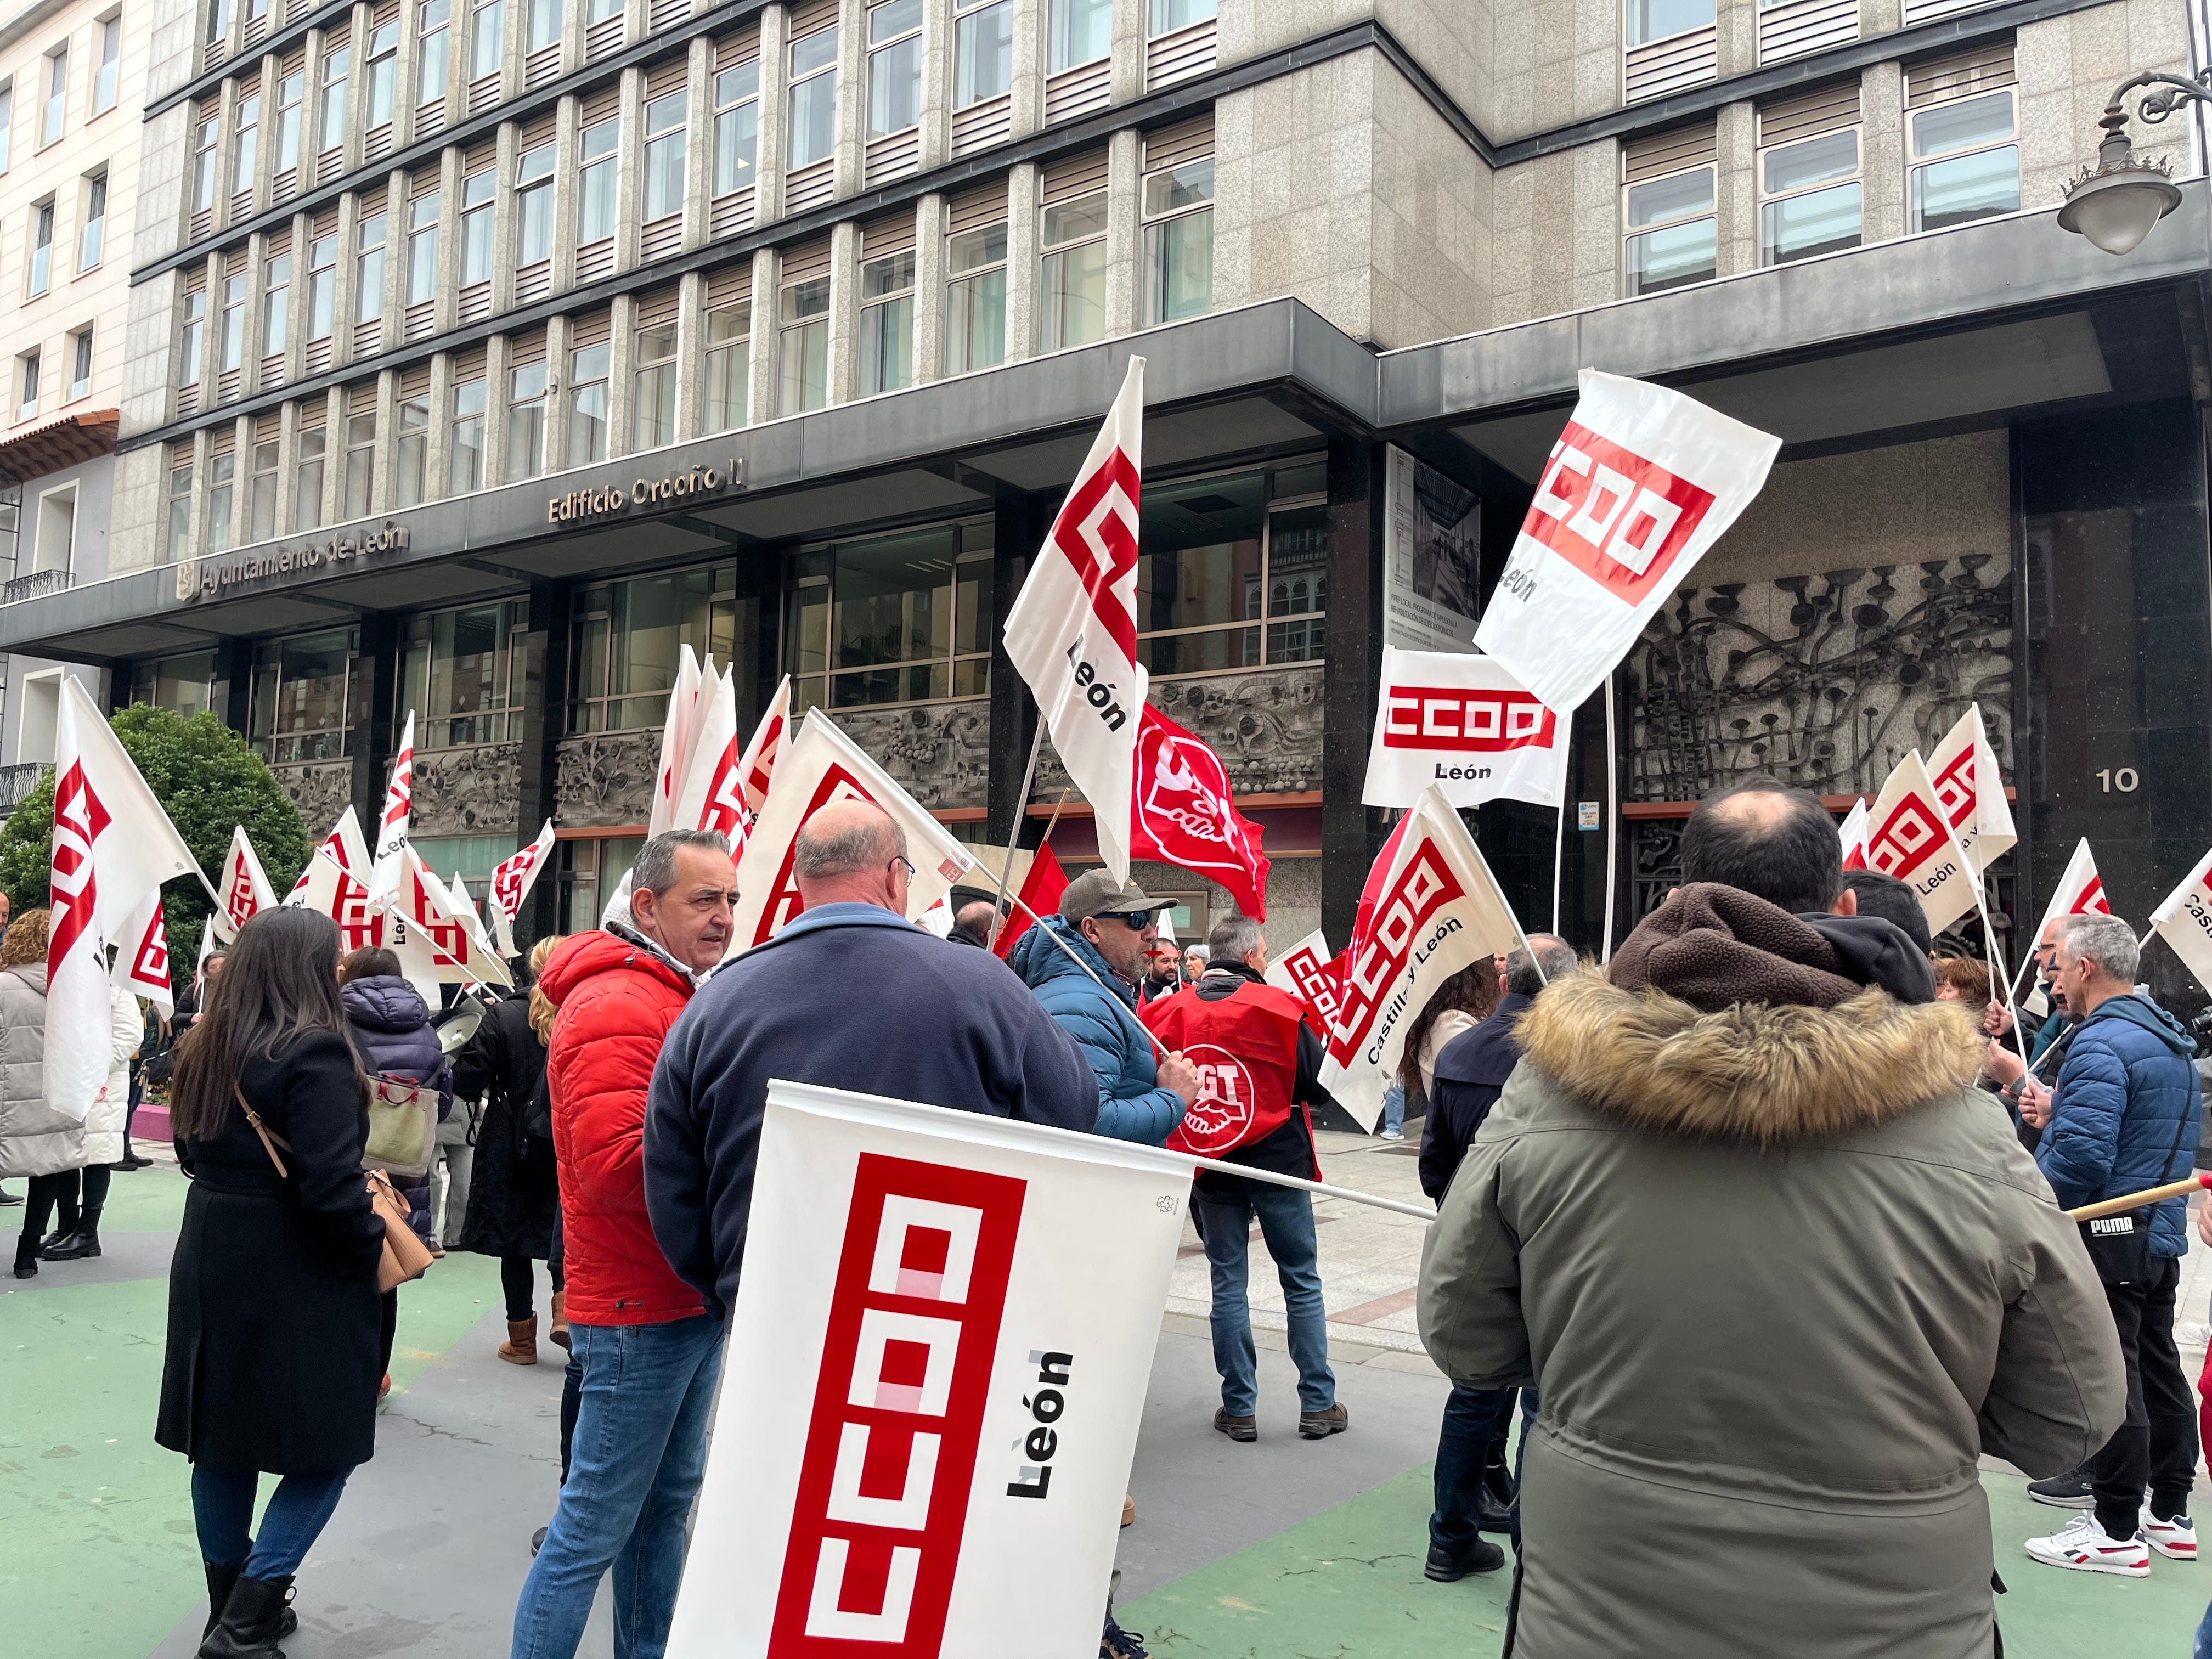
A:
{"x": 1618, "y": 519}
{"x": 1223, "y": 1111}
{"x": 890, "y": 1452}
{"x": 1911, "y": 835}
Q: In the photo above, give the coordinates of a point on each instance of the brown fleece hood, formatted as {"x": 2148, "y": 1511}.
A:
{"x": 1752, "y": 1071}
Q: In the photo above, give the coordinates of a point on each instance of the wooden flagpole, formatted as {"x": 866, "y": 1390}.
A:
{"x": 2128, "y": 1201}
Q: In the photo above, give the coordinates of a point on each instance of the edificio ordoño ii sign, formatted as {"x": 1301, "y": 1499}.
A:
{"x": 589, "y": 506}
{"x": 203, "y": 578}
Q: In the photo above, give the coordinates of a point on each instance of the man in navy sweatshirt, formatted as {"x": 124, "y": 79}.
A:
{"x": 850, "y": 995}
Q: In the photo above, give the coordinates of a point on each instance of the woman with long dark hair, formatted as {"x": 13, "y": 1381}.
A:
{"x": 1460, "y": 1002}
{"x": 272, "y": 1351}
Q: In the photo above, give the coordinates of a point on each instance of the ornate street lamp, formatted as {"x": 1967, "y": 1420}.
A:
{"x": 2116, "y": 202}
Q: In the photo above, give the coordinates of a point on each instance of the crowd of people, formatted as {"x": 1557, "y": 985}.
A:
{"x": 1750, "y": 1234}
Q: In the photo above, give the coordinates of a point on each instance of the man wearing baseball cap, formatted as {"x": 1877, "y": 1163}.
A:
{"x": 1107, "y": 929}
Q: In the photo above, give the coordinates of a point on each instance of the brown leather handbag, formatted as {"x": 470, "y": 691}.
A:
{"x": 405, "y": 1257}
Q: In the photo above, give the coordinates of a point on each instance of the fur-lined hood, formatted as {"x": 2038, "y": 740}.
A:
{"x": 1750, "y": 1072}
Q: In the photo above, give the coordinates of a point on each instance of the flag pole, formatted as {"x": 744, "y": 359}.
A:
{"x": 1988, "y": 953}
{"x": 1612, "y": 819}
{"x": 1559, "y": 826}
{"x": 1068, "y": 951}
{"x": 1021, "y": 811}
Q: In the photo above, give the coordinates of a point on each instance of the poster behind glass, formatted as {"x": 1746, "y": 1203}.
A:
{"x": 1435, "y": 548}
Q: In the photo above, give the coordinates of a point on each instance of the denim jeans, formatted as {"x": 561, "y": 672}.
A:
{"x": 1286, "y": 1223}
{"x": 1470, "y": 1419}
{"x": 1394, "y": 1107}
{"x": 638, "y": 1454}
{"x": 2203, "y": 1648}
{"x": 222, "y": 1511}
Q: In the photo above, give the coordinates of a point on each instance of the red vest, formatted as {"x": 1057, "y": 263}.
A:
{"x": 1246, "y": 1049}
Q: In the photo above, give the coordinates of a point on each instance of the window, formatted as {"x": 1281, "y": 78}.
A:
{"x": 803, "y": 350}
{"x": 533, "y": 205}
{"x": 587, "y": 404}
{"x": 360, "y": 463}
{"x": 289, "y": 93}
{"x": 628, "y": 635}
{"x": 262, "y": 522}
{"x": 244, "y": 146}
{"x": 1078, "y": 31}
{"x": 477, "y": 194}
{"x": 664, "y": 155}
{"x": 729, "y": 367}
{"x": 191, "y": 333}
{"x": 811, "y": 129}
{"x": 653, "y": 417}
{"x": 230, "y": 342}
{"x": 49, "y": 123}
{"x": 368, "y": 279}
{"x": 597, "y": 11}
{"x": 433, "y": 51}
{"x": 187, "y": 684}
{"x": 1073, "y": 308}
{"x": 26, "y": 386}
{"x": 595, "y": 184}
{"x": 383, "y": 68}
{"x": 976, "y": 299}
{"x": 110, "y": 65}
{"x": 413, "y": 457}
{"x": 887, "y": 323}
{"x": 204, "y": 165}
{"x": 982, "y": 51}
{"x": 466, "y": 462}
{"x": 893, "y": 67}
{"x": 297, "y": 711}
{"x": 589, "y": 868}
{"x": 276, "y": 305}
{"x": 330, "y": 120}
{"x": 1167, "y": 17}
{"x": 1672, "y": 237}
{"x": 92, "y": 240}
{"x": 308, "y": 479}
{"x": 322, "y": 286}
{"x": 1805, "y": 211}
{"x": 1234, "y": 571}
{"x": 737, "y": 127}
{"x": 41, "y": 272}
{"x": 1966, "y": 161}
{"x": 181, "y": 501}
{"x": 901, "y": 618}
{"x": 81, "y": 363}
{"x": 423, "y": 249}
{"x": 457, "y": 669}
{"x": 541, "y": 24}
{"x": 222, "y": 472}
{"x": 1655, "y": 20}
{"x": 525, "y": 421}
{"x": 7, "y": 118}
{"x": 1179, "y": 242}
{"x": 486, "y": 25}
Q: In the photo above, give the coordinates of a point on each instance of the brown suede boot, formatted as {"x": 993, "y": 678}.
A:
{"x": 558, "y": 1336}
{"x": 520, "y": 1347}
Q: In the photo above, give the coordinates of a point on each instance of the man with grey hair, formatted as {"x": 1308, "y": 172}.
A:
{"x": 2123, "y": 1116}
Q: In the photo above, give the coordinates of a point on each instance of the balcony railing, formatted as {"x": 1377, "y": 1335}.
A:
{"x": 17, "y": 782}
{"x": 34, "y": 585}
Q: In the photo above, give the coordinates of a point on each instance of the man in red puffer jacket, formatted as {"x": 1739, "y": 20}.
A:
{"x": 650, "y": 1352}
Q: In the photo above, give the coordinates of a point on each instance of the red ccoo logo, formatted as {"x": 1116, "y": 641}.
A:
{"x": 1617, "y": 518}
{"x": 1463, "y": 722}
{"x": 1911, "y": 835}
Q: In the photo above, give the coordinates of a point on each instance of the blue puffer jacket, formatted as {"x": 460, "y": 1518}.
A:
{"x": 2126, "y": 1087}
{"x": 1132, "y": 1105}
{"x": 391, "y": 1030}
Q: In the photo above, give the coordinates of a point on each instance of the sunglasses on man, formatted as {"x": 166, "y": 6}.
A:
{"x": 1135, "y": 921}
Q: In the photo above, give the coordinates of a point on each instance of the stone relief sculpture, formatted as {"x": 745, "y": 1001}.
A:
{"x": 1266, "y": 726}
{"x": 466, "y": 791}
{"x": 940, "y": 753}
{"x": 322, "y": 790}
{"x": 605, "y": 782}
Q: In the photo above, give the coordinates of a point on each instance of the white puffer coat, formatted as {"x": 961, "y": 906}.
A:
{"x": 34, "y": 1138}
{"x": 103, "y": 1125}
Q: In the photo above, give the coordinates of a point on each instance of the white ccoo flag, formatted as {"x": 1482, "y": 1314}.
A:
{"x": 822, "y": 765}
{"x": 1438, "y": 909}
{"x": 244, "y": 890}
{"x": 2081, "y": 890}
{"x": 1641, "y": 483}
{"x": 757, "y": 767}
{"x": 712, "y": 795}
{"x": 1852, "y": 832}
{"x": 391, "y": 826}
{"x": 511, "y": 884}
{"x": 344, "y": 845}
{"x": 113, "y": 845}
{"x": 937, "y": 1370}
{"x": 330, "y": 889}
{"x": 459, "y": 952}
{"x": 1072, "y": 634}
{"x": 675, "y": 734}
{"x": 142, "y": 956}
{"x": 1463, "y": 723}
{"x": 1971, "y": 791}
{"x": 1910, "y": 838}
{"x": 2185, "y": 920}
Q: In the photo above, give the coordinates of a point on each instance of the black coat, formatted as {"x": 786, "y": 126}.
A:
{"x": 273, "y": 1360}
{"x": 1471, "y": 1072}
{"x": 513, "y": 1191}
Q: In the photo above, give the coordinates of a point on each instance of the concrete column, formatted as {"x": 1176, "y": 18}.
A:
{"x": 387, "y": 432}
{"x": 1736, "y": 194}
{"x": 936, "y": 82}
{"x": 1022, "y": 185}
{"x": 295, "y": 335}
{"x": 690, "y": 354}
{"x": 1025, "y": 107}
{"x": 357, "y": 94}
{"x": 1880, "y": 17}
{"x": 557, "y": 334}
{"x": 844, "y": 311}
{"x": 502, "y": 212}
{"x": 621, "y": 366}
{"x": 497, "y": 357}
{"x": 395, "y": 259}
{"x": 1881, "y": 151}
{"x": 1735, "y": 36}
{"x": 348, "y": 277}
{"x": 699, "y": 147}
{"x": 929, "y": 288}
{"x": 1350, "y": 834}
{"x": 775, "y": 93}
{"x": 257, "y": 271}
{"x": 437, "y": 477}
{"x": 852, "y": 107}
{"x": 1124, "y": 164}
{"x": 767, "y": 269}
{"x": 1127, "y": 75}
{"x": 565, "y": 154}
{"x": 333, "y": 457}
{"x": 630, "y": 188}
{"x": 287, "y": 455}
{"x": 449, "y": 238}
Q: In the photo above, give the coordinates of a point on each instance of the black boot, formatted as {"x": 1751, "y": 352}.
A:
{"x": 219, "y": 1581}
{"x": 82, "y": 1241}
{"x": 253, "y": 1621}
{"x": 27, "y": 1257}
{"x": 1497, "y": 1497}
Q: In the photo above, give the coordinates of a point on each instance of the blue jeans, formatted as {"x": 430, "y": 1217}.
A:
{"x": 1286, "y": 1223}
{"x": 223, "y": 1509}
{"x": 638, "y": 1455}
{"x": 1394, "y": 1107}
{"x": 2203, "y": 1648}
{"x": 1471, "y": 1419}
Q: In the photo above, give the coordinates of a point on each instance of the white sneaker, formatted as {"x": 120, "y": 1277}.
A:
{"x": 1394, "y": 1135}
{"x": 2082, "y": 1546}
{"x": 2176, "y": 1538}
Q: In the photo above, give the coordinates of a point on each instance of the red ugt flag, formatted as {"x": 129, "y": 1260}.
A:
{"x": 1041, "y": 891}
{"x": 1184, "y": 814}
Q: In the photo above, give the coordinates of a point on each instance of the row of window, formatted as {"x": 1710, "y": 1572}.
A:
{"x": 30, "y": 376}
{"x": 46, "y": 93}
{"x": 41, "y": 231}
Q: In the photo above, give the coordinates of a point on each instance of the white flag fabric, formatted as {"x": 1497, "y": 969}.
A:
{"x": 1909, "y": 837}
{"x": 757, "y": 766}
{"x": 113, "y": 845}
{"x": 1853, "y": 834}
{"x": 675, "y": 744}
{"x": 1641, "y": 483}
{"x": 142, "y": 956}
{"x": 1971, "y": 791}
{"x": 822, "y": 765}
{"x": 511, "y": 884}
{"x": 2080, "y": 890}
{"x": 244, "y": 890}
{"x": 463, "y": 956}
{"x": 2185, "y": 920}
{"x": 1436, "y": 909}
{"x": 932, "y": 1385}
{"x": 329, "y": 888}
{"x": 345, "y": 845}
{"x": 464, "y": 906}
{"x": 200, "y": 966}
{"x": 1072, "y": 634}
{"x": 712, "y": 792}
{"x": 1463, "y": 723}
{"x": 1306, "y": 970}
{"x": 392, "y": 824}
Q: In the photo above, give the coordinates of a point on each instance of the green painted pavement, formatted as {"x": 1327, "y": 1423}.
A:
{"x": 1349, "y": 1581}
{"x": 101, "y": 1561}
